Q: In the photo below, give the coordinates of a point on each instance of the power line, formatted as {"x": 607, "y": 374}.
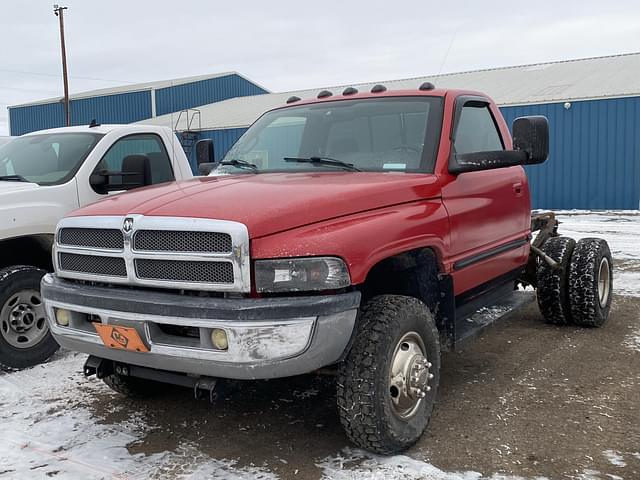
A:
{"x": 57, "y": 75}
{"x": 2, "y": 87}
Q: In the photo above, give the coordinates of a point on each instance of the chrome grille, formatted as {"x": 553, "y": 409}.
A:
{"x": 92, "y": 237}
{"x": 175, "y": 241}
{"x": 160, "y": 252}
{"x": 185, "y": 271}
{"x": 93, "y": 264}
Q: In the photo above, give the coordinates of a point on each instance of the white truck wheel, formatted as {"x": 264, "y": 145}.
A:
{"x": 25, "y": 339}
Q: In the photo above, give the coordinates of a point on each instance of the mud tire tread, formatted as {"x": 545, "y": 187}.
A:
{"x": 586, "y": 310}
{"x": 553, "y": 283}
{"x": 365, "y": 413}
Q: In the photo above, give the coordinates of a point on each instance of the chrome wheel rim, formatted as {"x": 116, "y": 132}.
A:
{"x": 604, "y": 282}
{"x": 409, "y": 376}
{"x": 22, "y": 319}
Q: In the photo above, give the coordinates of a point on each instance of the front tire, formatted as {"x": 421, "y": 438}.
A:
{"x": 591, "y": 282}
{"x": 25, "y": 339}
{"x": 387, "y": 385}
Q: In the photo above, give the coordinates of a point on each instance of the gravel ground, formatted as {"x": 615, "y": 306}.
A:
{"x": 524, "y": 401}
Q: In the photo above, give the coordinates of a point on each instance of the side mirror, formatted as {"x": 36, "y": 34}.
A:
{"x": 531, "y": 136}
{"x": 205, "y": 156}
{"x": 136, "y": 172}
{"x": 530, "y": 147}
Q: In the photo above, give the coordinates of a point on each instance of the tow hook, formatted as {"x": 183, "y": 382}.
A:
{"x": 98, "y": 367}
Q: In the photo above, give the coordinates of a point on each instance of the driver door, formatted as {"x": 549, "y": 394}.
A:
{"x": 489, "y": 210}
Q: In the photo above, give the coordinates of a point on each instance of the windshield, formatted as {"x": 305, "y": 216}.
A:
{"x": 397, "y": 134}
{"x": 47, "y": 159}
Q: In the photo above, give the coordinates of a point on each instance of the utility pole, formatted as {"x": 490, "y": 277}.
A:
{"x": 59, "y": 12}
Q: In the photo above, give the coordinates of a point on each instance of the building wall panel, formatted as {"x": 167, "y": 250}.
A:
{"x": 130, "y": 107}
{"x": 121, "y": 108}
{"x": 35, "y": 117}
{"x": 190, "y": 95}
{"x": 223, "y": 140}
{"x": 594, "y": 154}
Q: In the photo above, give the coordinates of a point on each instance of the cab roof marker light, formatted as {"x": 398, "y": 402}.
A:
{"x": 350, "y": 91}
{"x": 378, "y": 89}
{"x": 427, "y": 86}
{"x": 325, "y": 94}
{"x": 293, "y": 99}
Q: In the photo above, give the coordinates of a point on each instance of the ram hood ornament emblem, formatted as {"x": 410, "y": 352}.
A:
{"x": 127, "y": 226}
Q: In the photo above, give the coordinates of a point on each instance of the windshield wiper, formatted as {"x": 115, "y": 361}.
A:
{"x": 13, "y": 178}
{"x": 324, "y": 161}
{"x": 241, "y": 164}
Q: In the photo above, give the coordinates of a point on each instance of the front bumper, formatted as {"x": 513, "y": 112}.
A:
{"x": 268, "y": 337}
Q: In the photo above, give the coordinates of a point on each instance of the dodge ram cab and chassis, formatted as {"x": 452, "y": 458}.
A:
{"x": 352, "y": 233}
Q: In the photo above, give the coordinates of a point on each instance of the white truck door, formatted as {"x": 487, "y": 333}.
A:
{"x": 114, "y": 155}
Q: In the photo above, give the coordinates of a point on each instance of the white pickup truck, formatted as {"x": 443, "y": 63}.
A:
{"x": 43, "y": 176}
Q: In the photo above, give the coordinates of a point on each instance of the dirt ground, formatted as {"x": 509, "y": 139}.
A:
{"x": 525, "y": 398}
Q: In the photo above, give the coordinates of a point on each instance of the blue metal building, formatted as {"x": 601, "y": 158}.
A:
{"x": 131, "y": 103}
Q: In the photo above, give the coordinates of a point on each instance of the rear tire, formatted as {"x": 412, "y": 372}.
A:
{"x": 591, "y": 282}
{"x": 25, "y": 339}
{"x": 381, "y": 411}
{"x": 553, "y": 283}
{"x": 132, "y": 387}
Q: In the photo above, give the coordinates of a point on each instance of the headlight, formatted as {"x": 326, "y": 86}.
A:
{"x": 301, "y": 274}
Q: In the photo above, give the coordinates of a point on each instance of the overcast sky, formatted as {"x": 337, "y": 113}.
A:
{"x": 286, "y": 45}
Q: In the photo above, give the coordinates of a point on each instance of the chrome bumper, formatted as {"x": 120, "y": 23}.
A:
{"x": 268, "y": 338}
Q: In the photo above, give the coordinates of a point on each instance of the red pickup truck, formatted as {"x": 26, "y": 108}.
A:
{"x": 352, "y": 234}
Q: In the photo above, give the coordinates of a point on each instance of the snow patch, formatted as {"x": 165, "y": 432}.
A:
{"x": 615, "y": 458}
{"x": 487, "y": 315}
{"x": 47, "y": 430}
{"x": 633, "y": 342}
{"x": 620, "y": 230}
{"x": 360, "y": 465}
{"x": 626, "y": 283}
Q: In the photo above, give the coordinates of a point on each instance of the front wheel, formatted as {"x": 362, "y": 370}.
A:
{"x": 25, "y": 339}
{"x": 387, "y": 385}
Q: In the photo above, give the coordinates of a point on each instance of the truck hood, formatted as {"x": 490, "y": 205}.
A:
{"x": 10, "y": 186}
{"x": 271, "y": 202}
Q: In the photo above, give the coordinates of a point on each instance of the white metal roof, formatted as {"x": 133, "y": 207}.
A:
{"x": 136, "y": 87}
{"x": 582, "y": 79}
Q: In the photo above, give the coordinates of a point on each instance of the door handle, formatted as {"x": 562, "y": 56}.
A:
{"x": 517, "y": 189}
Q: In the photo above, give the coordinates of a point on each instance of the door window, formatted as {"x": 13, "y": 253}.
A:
{"x": 477, "y": 131}
{"x": 149, "y": 145}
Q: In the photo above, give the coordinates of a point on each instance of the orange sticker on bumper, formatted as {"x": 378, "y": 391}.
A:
{"x": 123, "y": 338}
